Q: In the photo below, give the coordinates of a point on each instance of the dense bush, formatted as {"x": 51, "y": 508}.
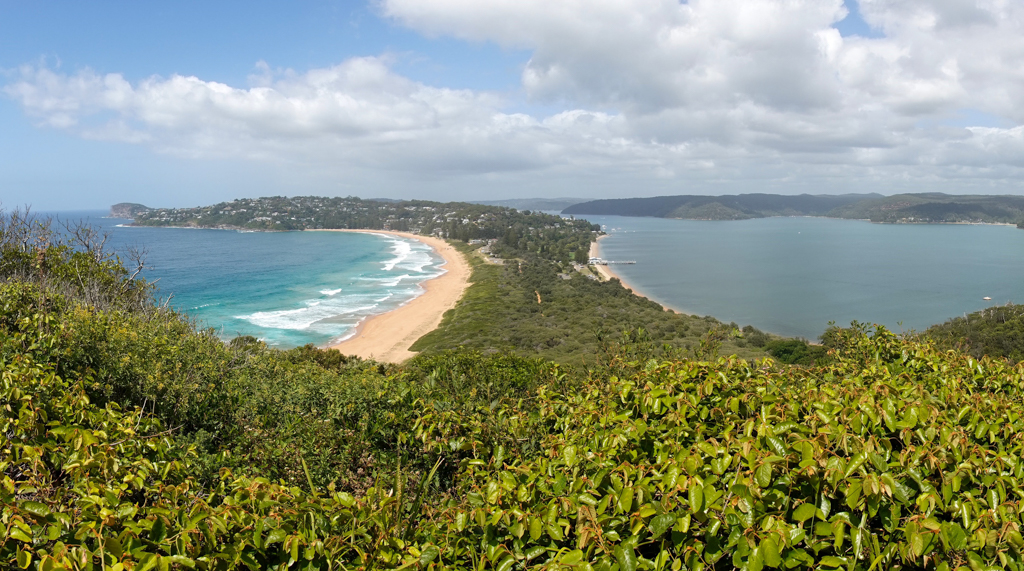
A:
{"x": 996, "y": 332}
{"x": 894, "y": 455}
{"x": 525, "y": 307}
{"x": 795, "y": 351}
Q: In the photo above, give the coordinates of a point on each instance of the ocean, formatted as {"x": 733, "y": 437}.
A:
{"x": 792, "y": 276}
{"x": 286, "y": 288}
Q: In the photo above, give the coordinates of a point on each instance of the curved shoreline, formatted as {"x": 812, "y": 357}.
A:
{"x": 388, "y": 336}
{"x": 607, "y": 273}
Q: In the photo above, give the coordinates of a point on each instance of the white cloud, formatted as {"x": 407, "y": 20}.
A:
{"x": 659, "y": 95}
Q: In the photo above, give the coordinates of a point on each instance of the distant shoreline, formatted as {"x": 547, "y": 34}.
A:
{"x": 388, "y": 336}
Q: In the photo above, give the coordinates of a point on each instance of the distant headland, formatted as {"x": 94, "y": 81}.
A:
{"x": 127, "y": 210}
{"x": 923, "y": 208}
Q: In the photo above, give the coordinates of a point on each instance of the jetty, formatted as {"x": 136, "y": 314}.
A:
{"x": 602, "y": 262}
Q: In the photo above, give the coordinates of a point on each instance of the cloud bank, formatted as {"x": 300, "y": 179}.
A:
{"x": 657, "y": 96}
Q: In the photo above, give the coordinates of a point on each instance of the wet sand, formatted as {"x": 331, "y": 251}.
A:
{"x": 388, "y": 336}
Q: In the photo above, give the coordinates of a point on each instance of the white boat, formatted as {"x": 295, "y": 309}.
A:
{"x": 987, "y": 298}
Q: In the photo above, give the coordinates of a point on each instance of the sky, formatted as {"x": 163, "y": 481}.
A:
{"x": 189, "y": 103}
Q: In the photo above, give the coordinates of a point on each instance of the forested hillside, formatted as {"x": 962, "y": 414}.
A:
{"x": 935, "y": 207}
{"x": 131, "y": 440}
{"x": 536, "y": 308}
{"x": 735, "y": 207}
{"x": 923, "y": 208}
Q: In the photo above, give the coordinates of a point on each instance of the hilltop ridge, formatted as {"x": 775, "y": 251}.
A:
{"x": 921, "y": 208}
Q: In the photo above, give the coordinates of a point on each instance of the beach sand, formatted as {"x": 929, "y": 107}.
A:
{"x": 605, "y": 271}
{"x": 387, "y": 337}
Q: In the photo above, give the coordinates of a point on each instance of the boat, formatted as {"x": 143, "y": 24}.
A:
{"x": 987, "y": 298}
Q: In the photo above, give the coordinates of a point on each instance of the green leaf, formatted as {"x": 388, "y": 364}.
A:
{"x": 763, "y": 475}
{"x": 830, "y": 561}
{"x": 770, "y": 551}
{"x": 824, "y": 505}
{"x": 24, "y": 558}
{"x": 954, "y": 536}
{"x": 534, "y": 552}
{"x": 112, "y": 546}
{"x": 569, "y": 455}
{"x": 506, "y": 563}
{"x": 428, "y": 554}
{"x": 275, "y": 536}
{"x": 661, "y": 524}
{"x": 755, "y": 562}
{"x": 180, "y": 560}
{"x": 536, "y": 528}
{"x": 804, "y": 512}
{"x": 492, "y": 492}
{"x": 159, "y": 530}
{"x": 917, "y": 544}
{"x": 35, "y": 508}
{"x": 626, "y": 500}
{"x": 147, "y": 562}
{"x": 696, "y": 498}
{"x": 777, "y": 445}
{"x": 626, "y": 557}
{"x": 572, "y": 558}
{"x": 20, "y": 535}
{"x": 853, "y": 492}
{"x": 856, "y": 463}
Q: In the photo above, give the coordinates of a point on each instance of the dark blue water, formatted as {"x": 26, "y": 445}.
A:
{"x": 287, "y": 288}
{"x": 792, "y": 276}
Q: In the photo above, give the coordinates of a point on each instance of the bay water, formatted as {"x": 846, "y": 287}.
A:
{"x": 792, "y": 276}
{"x": 286, "y": 288}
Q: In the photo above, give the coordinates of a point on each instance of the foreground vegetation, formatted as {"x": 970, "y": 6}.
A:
{"x": 134, "y": 441}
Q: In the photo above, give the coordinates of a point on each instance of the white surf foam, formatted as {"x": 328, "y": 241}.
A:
{"x": 303, "y": 317}
{"x": 401, "y": 249}
{"x": 331, "y": 292}
{"x": 416, "y": 261}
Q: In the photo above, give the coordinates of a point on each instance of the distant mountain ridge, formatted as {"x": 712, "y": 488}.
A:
{"x": 534, "y": 203}
{"x": 922, "y": 208}
{"x": 729, "y": 207}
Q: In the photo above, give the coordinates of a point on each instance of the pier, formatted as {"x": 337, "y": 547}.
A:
{"x": 601, "y": 262}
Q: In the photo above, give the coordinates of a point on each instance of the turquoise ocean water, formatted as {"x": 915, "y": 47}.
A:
{"x": 287, "y": 288}
{"x": 792, "y": 276}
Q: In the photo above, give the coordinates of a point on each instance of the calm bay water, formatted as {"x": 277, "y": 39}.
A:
{"x": 792, "y": 276}
{"x": 287, "y": 288}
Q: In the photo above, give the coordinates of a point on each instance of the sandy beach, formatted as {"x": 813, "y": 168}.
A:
{"x": 606, "y": 272}
{"x": 387, "y": 337}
